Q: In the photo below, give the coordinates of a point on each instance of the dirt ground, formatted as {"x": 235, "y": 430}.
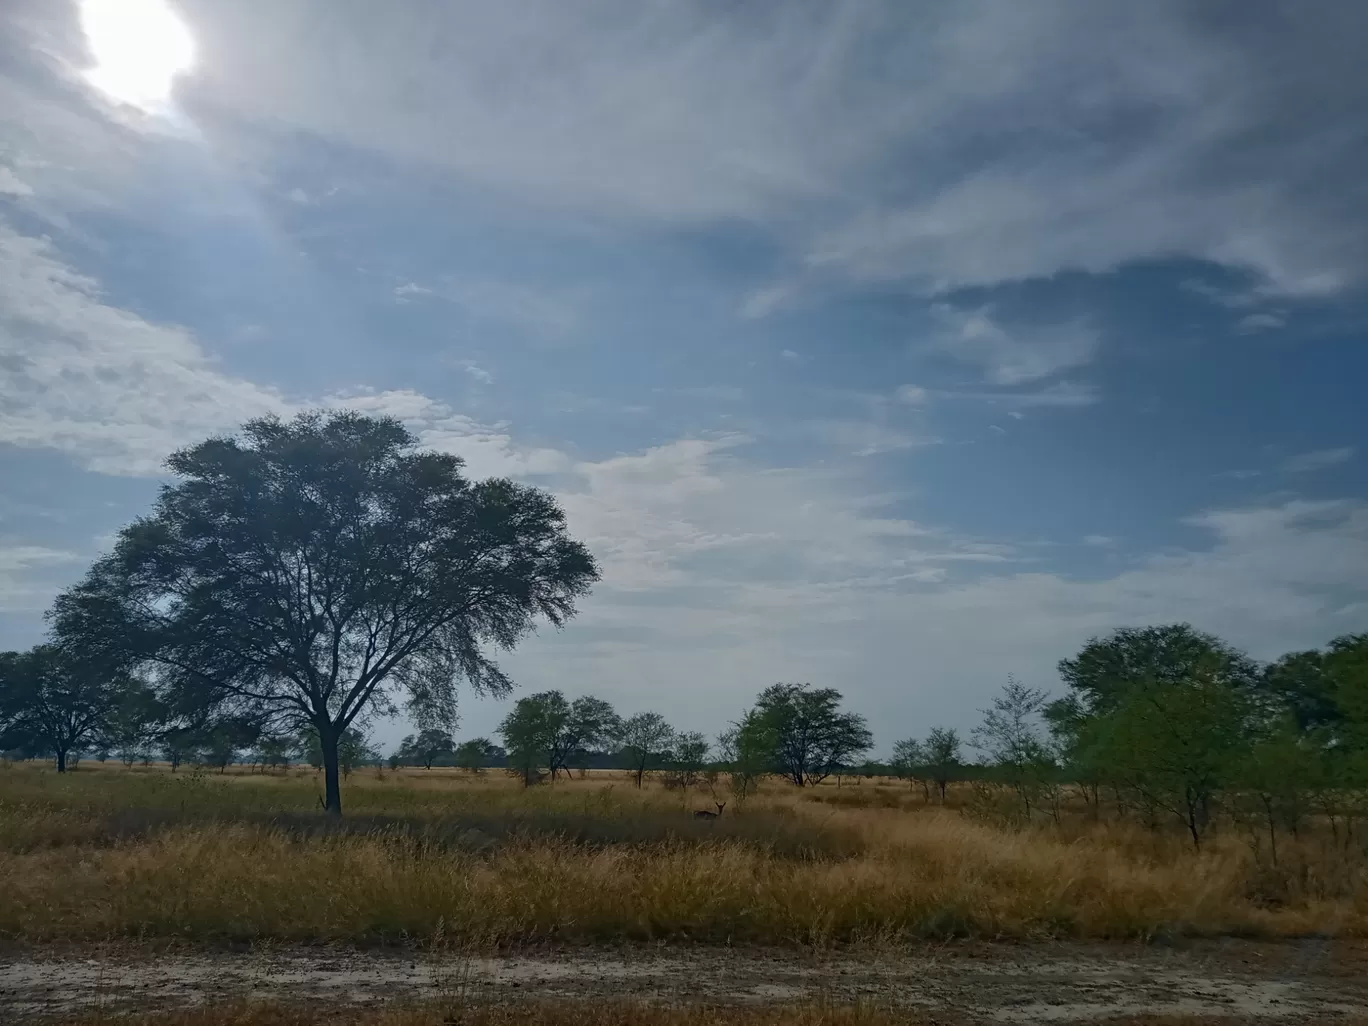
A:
{"x": 1299, "y": 982}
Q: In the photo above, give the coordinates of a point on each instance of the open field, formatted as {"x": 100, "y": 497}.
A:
{"x": 108, "y": 852}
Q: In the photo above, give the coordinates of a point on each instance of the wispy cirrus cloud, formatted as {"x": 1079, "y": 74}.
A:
{"x": 1015, "y": 355}
{"x": 911, "y": 142}
{"x": 1318, "y": 459}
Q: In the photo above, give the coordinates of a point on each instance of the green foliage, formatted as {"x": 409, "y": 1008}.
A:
{"x": 307, "y": 572}
{"x": 546, "y": 730}
{"x": 812, "y": 736}
{"x": 749, "y": 749}
{"x": 477, "y": 753}
{"x": 1104, "y": 673}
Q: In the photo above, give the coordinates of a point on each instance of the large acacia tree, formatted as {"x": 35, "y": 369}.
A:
{"x": 314, "y": 571}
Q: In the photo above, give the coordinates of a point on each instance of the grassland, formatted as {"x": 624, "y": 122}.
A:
{"x": 107, "y": 852}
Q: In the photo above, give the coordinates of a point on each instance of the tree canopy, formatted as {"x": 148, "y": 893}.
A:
{"x": 812, "y": 737}
{"x": 55, "y": 702}
{"x": 317, "y": 570}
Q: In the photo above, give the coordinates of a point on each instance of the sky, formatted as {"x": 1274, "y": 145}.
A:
{"x": 891, "y": 346}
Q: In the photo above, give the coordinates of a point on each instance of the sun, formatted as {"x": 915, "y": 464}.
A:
{"x": 139, "y": 46}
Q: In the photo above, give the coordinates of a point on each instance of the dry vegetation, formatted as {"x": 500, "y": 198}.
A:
{"x": 108, "y": 852}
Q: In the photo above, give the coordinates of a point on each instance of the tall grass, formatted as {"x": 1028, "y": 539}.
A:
{"x": 110, "y": 853}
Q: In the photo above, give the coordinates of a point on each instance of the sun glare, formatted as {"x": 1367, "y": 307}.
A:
{"x": 139, "y": 46}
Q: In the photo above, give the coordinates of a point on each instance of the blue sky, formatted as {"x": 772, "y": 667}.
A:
{"x": 886, "y": 345}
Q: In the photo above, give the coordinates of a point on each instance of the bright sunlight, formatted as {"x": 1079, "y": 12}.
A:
{"x": 139, "y": 46}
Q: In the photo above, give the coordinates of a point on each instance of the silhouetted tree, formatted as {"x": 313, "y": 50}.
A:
{"x": 56, "y": 702}
{"x": 943, "y": 757}
{"x": 309, "y": 571}
{"x": 427, "y": 746}
{"x": 908, "y": 760}
{"x": 645, "y": 741}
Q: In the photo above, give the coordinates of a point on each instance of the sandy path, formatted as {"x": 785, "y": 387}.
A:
{"x": 1304, "y": 982}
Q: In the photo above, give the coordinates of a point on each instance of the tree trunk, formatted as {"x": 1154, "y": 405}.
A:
{"x": 332, "y": 787}
{"x": 61, "y": 760}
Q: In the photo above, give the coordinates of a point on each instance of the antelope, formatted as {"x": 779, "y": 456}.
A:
{"x": 705, "y": 814}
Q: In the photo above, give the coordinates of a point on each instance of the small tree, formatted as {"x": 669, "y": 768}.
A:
{"x": 132, "y": 724}
{"x": 688, "y": 758}
{"x": 943, "y": 757}
{"x": 221, "y": 741}
{"x": 907, "y": 762}
{"x": 477, "y": 753}
{"x": 56, "y": 701}
{"x": 1176, "y": 743}
{"x": 1010, "y": 736}
{"x": 749, "y": 750}
{"x": 811, "y": 734}
{"x": 592, "y": 727}
{"x": 178, "y": 743}
{"x": 645, "y": 741}
{"x": 1279, "y": 773}
{"x": 427, "y": 746}
{"x": 530, "y": 733}
{"x": 275, "y": 751}
{"x": 312, "y": 572}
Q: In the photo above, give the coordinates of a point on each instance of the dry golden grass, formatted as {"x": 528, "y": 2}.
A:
{"x": 109, "y": 852}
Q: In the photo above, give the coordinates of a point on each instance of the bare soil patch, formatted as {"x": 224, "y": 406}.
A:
{"x": 1309, "y": 981}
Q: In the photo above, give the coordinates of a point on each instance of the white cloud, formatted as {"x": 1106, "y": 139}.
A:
{"x": 1059, "y": 394}
{"x": 29, "y": 576}
{"x": 789, "y": 354}
{"x": 763, "y": 302}
{"x": 554, "y": 313}
{"x": 1318, "y": 459}
{"x": 1014, "y": 356}
{"x": 477, "y": 372}
{"x": 1231, "y": 299}
{"x": 1251, "y": 323}
{"x": 118, "y": 393}
{"x": 78, "y": 375}
{"x": 12, "y": 185}
{"x": 912, "y": 395}
{"x": 1100, "y": 541}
